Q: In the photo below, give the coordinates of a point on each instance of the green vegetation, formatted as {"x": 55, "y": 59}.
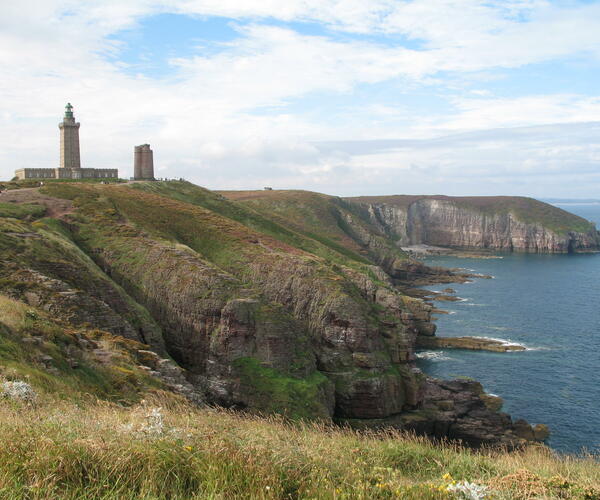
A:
{"x": 248, "y": 282}
{"x": 34, "y": 183}
{"x": 102, "y": 451}
{"x": 258, "y": 220}
{"x": 293, "y": 397}
{"x": 332, "y": 221}
{"x": 21, "y": 211}
{"x": 49, "y": 355}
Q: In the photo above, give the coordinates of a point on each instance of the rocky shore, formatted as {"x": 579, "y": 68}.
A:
{"x": 470, "y": 343}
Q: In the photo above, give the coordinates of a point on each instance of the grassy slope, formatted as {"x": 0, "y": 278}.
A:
{"x": 126, "y": 222}
{"x": 27, "y": 335}
{"x": 101, "y": 452}
{"x": 257, "y": 220}
{"x": 321, "y": 217}
{"x": 46, "y": 246}
{"x": 527, "y": 210}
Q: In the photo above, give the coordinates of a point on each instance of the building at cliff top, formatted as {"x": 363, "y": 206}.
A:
{"x": 143, "y": 163}
{"x": 70, "y": 159}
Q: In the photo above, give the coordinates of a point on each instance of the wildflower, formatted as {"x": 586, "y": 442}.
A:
{"x": 468, "y": 491}
{"x": 154, "y": 422}
{"x": 447, "y": 476}
{"x": 18, "y": 390}
{"x": 188, "y": 448}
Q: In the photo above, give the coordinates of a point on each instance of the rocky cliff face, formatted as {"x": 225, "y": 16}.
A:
{"x": 443, "y": 221}
{"x": 261, "y": 314}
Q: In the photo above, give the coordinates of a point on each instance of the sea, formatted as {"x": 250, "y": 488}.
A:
{"x": 551, "y": 305}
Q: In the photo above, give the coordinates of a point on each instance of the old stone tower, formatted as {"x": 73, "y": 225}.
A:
{"x": 69, "y": 140}
{"x": 143, "y": 163}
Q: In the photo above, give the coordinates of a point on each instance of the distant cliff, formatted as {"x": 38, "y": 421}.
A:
{"x": 503, "y": 223}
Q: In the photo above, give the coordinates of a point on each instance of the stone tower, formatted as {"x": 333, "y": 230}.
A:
{"x": 143, "y": 163}
{"x": 69, "y": 140}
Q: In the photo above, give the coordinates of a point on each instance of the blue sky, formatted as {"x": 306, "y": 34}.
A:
{"x": 346, "y": 97}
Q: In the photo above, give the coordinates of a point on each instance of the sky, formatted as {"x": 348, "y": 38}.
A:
{"x": 346, "y": 97}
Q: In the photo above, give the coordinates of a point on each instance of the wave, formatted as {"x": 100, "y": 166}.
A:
{"x": 506, "y": 342}
{"x": 433, "y": 356}
{"x": 509, "y": 342}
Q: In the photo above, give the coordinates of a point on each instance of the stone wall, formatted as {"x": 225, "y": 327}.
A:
{"x": 67, "y": 173}
{"x": 35, "y": 173}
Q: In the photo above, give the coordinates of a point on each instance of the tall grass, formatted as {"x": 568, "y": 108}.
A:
{"x": 60, "y": 450}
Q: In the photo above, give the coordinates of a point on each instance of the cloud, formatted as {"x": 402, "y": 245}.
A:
{"x": 257, "y": 111}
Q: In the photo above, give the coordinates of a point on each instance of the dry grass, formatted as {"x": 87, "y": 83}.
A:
{"x": 12, "y": 312}
{"x": 60, "y": 450}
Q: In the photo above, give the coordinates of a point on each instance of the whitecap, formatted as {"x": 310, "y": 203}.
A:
{"x": 433, "y": 356}
{"x": 506, "y": 342}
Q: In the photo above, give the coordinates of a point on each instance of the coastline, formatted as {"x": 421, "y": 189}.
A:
{"x": 457, "y": 409}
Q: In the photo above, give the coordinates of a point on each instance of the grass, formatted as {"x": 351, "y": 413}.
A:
{"x": 258, "y": 220}
{"x": 99, "y": 451}
{"x": 30, "y": 183}
{"x": 21, "y": 211}
{"x": 296, "y": 397}
{"x": 28, "y": 334}
{"x": 330, "y": 220}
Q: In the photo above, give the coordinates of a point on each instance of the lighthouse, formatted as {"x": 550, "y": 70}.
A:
{"x": 69, "y": 141}
{"x": 70, "y": 161}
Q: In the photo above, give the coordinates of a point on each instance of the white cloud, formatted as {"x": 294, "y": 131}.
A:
{"x": 207, "y": 121}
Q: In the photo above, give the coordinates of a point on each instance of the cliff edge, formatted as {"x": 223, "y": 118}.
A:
{"x": 499, "y": 223}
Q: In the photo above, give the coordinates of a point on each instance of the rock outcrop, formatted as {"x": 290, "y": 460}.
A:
{"x": 495, "y": 223}
{"x": 469, "y": 343}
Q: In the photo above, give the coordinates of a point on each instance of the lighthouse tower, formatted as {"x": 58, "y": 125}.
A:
{"x": 69, "y": 141}
{"x": 70, "y": 162}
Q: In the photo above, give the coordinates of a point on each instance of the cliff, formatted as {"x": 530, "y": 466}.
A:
{"x": 500, "y": 223}
{"x": 287, "y": 305}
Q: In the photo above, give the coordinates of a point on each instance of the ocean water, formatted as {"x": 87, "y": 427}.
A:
{"x": 549, "y": 303}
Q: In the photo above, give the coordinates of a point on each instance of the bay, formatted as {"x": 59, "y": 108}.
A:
{"x": 550, "y": 304}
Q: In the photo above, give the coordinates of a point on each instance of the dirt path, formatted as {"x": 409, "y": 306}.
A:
{"x": 55, "y": 207}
